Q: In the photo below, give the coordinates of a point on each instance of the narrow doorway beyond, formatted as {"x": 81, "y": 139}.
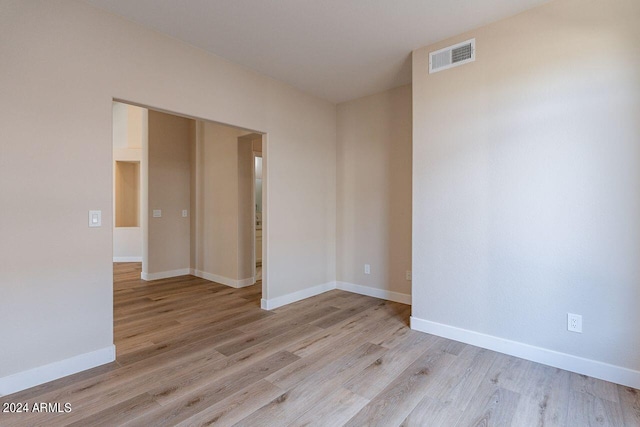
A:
{"x": 129, "y": 131}
{"x": 188, "y": 187}
{"x": 257, "y": 160}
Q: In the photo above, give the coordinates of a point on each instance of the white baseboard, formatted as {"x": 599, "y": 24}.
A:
{"x": 273, "y": 303}
{"x": 43, "y": 374}
{"x": 374, "y": 292}
{"x": 224, "y": 280}
{"x": 568, "y": 362}
{"x": 246, "y": 282}
{"x": 127, "y": 259}
{"x": 165, "y": 274}
{"x": 319, "y": 289}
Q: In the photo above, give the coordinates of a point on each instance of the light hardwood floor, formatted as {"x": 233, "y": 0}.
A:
{"x": 192, "y": 352}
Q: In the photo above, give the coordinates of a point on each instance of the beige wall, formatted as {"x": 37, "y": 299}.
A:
{"x": 63, "y": 62}
{"x": 169, "y": 243}
{"x": 246, "y": 219}
{"x": 217, "y": 216}
{"x": 193, "y": 185}
{"x": 129, "y": 130}
{"x": 120, "y": 126}
{"x": 257, "y": 145}
{"x": 526, "y": 166}
{"x": 374, "y": 190}
{"x": 222, "y": 202}
{"x": 136, "y": 126}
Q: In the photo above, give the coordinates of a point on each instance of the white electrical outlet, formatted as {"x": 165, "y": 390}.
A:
{"x": 574, "y": 322}
{"x": 408, "y": 275}
{"x": 367, "y": 269}
{"x": 185, "y": 213}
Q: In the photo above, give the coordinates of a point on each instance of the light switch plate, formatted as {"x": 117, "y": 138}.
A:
{"x": 95, "y": 218}
{"x": 157, "y": 213}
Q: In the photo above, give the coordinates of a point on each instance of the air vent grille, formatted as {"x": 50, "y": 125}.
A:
{"x": 452, "y": 56}
{"x": 441, "y": 59}
{"x": 461, "y": 53}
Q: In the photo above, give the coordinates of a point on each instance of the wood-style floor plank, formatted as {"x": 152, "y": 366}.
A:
{"x": 594, "y": 387}
{"x": 432, "y": 412}
{"x": 630, "y": 405}
{"x": 375, "y": 377}
{"x": 184, "y": 402}
{"x": 191, "y": 352}
{"x": 303, "y": 395}
{"x": 458, "y": 383}
{"x": 334, "y": 410}
{"x": 232, "y": 409}
{"x": 492, "y": 406}
{"x": 589, "y": 410}
{"x": 544, "y": 393}
{"x": 393, "y": 404}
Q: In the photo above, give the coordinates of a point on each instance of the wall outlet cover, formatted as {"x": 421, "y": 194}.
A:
{"x": 574, "y": 322}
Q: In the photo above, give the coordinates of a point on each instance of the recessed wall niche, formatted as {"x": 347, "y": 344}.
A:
{"x": 127, "y": 194}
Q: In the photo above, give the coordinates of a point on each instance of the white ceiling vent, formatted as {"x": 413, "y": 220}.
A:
{"x": 452, "y": 56}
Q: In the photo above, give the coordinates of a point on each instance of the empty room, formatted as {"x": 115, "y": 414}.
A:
{"x": 433, "y": 213}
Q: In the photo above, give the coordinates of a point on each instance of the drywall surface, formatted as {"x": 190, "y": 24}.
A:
{"x": 216, "y": 192}
{"x": 169, "y": 237}
{"x": 222, "y": 205}
{"x": 374, "y": 190}
{"x": 129, "y": 130}
{"x": 246, "y": 215}
{"x": 63, "y": 62}
{"x": 127, "y": 244}
{"x": 526, "y": 166}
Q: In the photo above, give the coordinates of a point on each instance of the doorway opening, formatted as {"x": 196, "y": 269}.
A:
{"x": 257, "y": 205}
{"x": 129, "y": 127}
{"x": 188, "y": 199}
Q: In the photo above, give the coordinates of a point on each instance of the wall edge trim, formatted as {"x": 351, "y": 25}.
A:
{"x": 568, "y": 362}
{"x": 273, "y": 303}
{"x": 165, "y": 274}
{"x": 222, "y": 279}
{"x": 127, "y": 259}
{"x": 374, "y": 292}
{"x": 43, "y": 374}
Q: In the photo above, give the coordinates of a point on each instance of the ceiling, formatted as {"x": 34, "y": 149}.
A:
{"x": 335, "y": 49}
